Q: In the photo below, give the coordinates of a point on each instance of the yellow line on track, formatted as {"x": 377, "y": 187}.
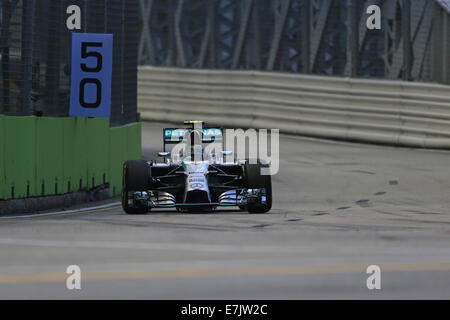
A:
{"x": 219, "y": 272}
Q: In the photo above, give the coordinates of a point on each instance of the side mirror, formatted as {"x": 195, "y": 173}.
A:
{"x": 164, "y": 154}
{"x": 227, "y": 153}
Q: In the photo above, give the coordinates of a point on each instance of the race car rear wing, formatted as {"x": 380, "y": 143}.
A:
{"x": 176, "y": 135}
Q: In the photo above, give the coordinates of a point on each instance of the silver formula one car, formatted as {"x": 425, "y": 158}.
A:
{"x": 193, "y": 181}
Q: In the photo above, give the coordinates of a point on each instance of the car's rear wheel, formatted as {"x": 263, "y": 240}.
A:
{"x": 136, "y": 177}
{"x": 255, "y": 180}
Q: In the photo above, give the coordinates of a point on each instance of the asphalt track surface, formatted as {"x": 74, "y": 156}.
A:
{"x": 338, "y": 208}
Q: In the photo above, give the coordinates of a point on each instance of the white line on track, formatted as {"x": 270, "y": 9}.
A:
{"x": 195, "y": 247}
{"x": 105, "y": 206}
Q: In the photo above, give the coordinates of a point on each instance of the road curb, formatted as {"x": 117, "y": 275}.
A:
{"x": 37, "y": 204}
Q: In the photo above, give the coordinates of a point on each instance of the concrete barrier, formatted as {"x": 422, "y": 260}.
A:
{"x": 375, "y": 111}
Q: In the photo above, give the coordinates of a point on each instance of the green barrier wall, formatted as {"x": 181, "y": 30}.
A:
{"x": 50, "y": 156}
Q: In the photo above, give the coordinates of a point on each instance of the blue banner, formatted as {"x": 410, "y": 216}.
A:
{"x": 90, "y": 90}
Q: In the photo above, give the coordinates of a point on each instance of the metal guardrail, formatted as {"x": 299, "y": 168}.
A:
{"x": 375, "y": 111}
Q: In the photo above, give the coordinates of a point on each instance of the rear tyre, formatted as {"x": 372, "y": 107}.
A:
{"x": 254, "y": 180}
{"x": 136, "y": 177}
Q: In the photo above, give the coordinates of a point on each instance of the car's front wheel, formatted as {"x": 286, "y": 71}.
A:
{"x": 136, "y": 177}
{"x": 255, "y": 180}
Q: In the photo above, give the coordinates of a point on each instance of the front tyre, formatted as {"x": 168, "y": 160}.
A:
{"x": 254, "y": 180}
{"x": 136, "y": 177}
